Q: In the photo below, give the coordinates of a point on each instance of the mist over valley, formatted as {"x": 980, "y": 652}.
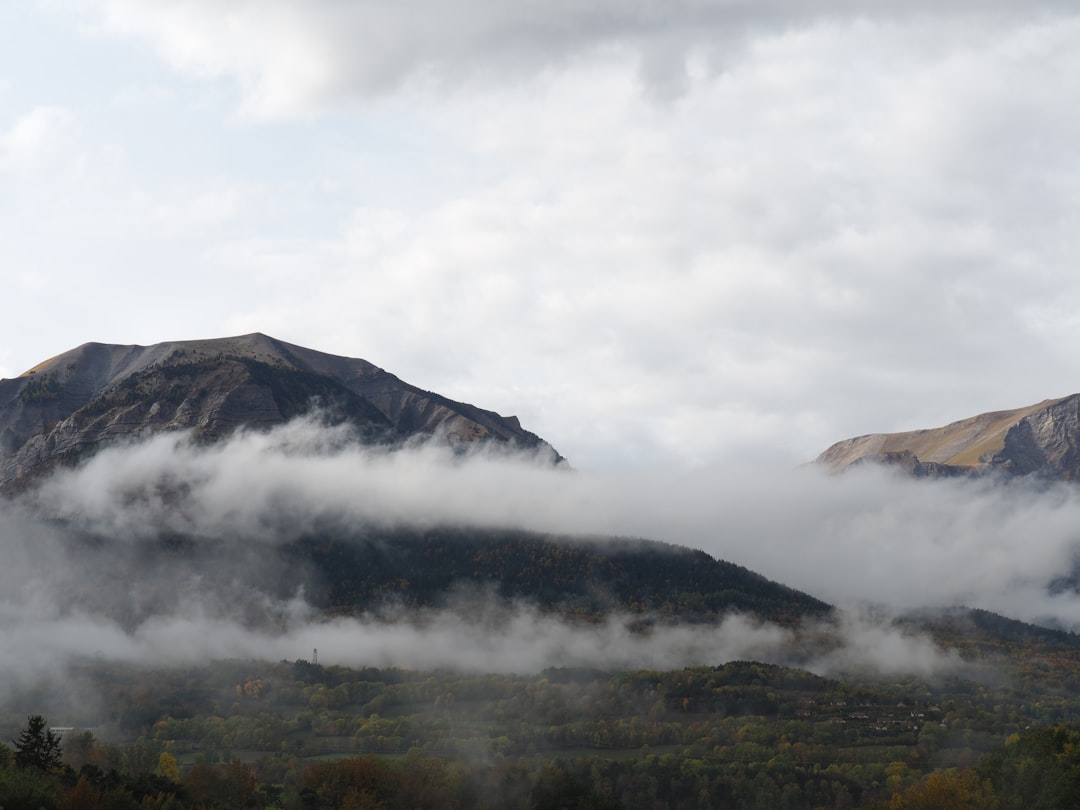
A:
{"x": 152, "y": 530}
{"x": 153, "y": 526}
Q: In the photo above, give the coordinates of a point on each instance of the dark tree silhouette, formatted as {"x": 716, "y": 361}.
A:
{"x": 37, "y": 748}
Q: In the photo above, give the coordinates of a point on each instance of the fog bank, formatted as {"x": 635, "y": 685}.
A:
{"x": 868, "y": 537}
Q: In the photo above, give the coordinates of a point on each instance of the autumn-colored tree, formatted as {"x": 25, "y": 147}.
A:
{"x": 84, "y": 796}
{"x": 555, "y": 789}
{"x": 168, "y": 767}
{"x": 433, "y": 783}
{"x": 232, "y": 785}
{"x": 947, "y": 790}
{"x": 1038, "y": 769}
{"x": 360, "y": 781}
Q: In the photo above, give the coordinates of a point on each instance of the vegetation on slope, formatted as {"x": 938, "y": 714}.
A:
{"x": 744, "y": 735}
{"x": 588, "y": 578}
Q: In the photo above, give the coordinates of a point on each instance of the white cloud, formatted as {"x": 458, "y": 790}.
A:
{"x": 181, "y": 609}
{"x": 291, "y": 57}
{"x": 491, "y": 639}
{"x": 856, "y": 539}
{"x": 865, "y": 537}
{"x": 832, "y": 237}
{"x": 43, "y": 141}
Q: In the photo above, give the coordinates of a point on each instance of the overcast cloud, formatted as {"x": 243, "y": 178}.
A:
{"x": 680, "y": 235}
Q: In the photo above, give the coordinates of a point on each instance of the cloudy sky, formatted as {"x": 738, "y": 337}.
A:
{"x": 665, "y": 234}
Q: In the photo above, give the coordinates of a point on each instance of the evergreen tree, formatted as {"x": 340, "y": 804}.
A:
{"x": 37, "y": 748}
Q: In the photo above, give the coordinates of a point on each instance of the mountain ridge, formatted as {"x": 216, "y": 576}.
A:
{"x": 73, "y": 403}
{"x": 1041, "y": 439}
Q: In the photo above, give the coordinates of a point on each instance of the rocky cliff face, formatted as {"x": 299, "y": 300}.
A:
{"x": 1042, "y": 439}
{"x": 72, "y": 404}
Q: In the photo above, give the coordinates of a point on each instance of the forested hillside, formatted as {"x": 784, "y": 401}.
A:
{"x": 302, "y": 735}
{"x": 580, "y": 576}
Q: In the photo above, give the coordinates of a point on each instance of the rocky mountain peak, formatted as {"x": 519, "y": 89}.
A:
{"x": 71, "y": 404}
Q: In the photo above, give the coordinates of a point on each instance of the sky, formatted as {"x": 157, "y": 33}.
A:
{"x": 668, "y": 236}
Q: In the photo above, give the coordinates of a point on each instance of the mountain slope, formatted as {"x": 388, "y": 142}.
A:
{"x": 585, "y": 577}
{"x": 395, "y": 572}
{"x": 1039, "y": 439}
{"x": 73, "y": 403}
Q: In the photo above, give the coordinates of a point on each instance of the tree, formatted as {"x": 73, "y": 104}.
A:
{"x": 84, "y": 796}
{"x": 79, "y": 748}
{"x": 948, "y": 790}
{"x": 168, "y": 767}
{"x": 37, "y": 748}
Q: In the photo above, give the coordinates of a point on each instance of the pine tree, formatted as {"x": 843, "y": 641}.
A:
{"x": 38, "y": 747}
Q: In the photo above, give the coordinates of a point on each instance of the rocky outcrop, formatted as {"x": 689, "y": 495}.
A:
{"x": 97, "y": 394}
{"x": 1042, "y": 439}
{"x": 1046, "y": 442}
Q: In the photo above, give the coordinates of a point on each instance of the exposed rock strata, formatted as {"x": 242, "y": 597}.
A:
{"x": 1042, "y": 439}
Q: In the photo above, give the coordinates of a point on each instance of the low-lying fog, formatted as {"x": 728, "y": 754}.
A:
{"x": 865, "y": 537}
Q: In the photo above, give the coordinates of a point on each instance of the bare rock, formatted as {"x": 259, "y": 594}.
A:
{"x": 1041, "y": 439}
{"x": 97, "y": 394}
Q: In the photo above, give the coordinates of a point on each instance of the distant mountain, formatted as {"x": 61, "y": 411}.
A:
{"x": 1042, "y": 439}
{"x": 74, "y": 403}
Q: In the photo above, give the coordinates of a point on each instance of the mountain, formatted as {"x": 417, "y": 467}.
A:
{"x": 70, "y": 405}
{"x": 1041, "y": 439}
